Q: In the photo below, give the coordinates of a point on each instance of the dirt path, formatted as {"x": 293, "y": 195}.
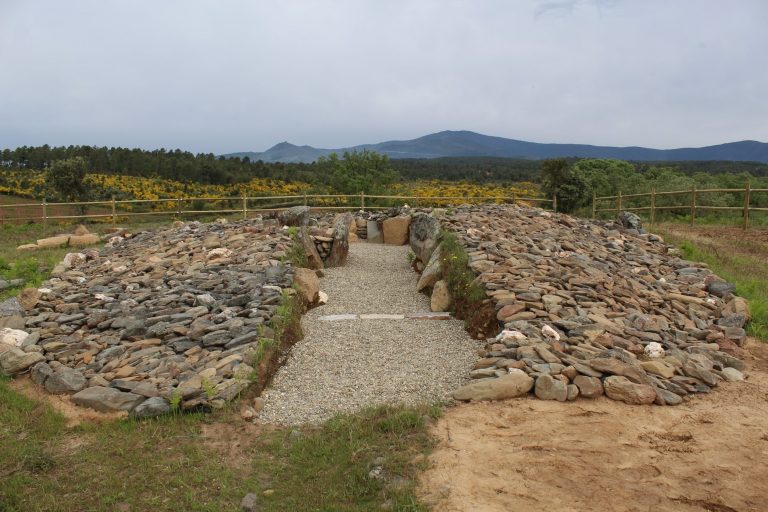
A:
{"x": 706, "y": 455}
{"x": 344, "y": 365}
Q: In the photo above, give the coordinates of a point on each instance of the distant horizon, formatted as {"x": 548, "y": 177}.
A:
{"x": 349, "y": 146}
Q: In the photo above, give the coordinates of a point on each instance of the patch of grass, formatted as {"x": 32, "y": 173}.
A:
{"x": 296, "y": 253}
{"x": 456, "y": 271}
{"x": 168, "y": 464}
{"x": 469, "y": 297}
{"x": 333, "y": 464}
{"x": 748, "y": 273}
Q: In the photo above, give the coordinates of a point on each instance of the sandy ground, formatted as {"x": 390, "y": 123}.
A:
{"x": 73, "y": 414}
{"x": 708, "y": 454}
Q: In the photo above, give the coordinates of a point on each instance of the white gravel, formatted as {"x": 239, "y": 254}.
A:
{"x": 344, "y": 366}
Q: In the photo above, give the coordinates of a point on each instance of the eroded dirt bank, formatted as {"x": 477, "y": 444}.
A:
{"x": 527, "y": 454}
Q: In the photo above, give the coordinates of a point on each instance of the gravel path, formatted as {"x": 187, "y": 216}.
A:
{"x": 344, "y": 366}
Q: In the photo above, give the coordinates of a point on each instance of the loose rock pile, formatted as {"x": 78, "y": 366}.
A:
{"x": 154, "y": 319}
{"x": 589, "y": 309}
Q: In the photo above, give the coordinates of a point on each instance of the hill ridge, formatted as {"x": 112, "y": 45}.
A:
{"x": 466, "y": 143}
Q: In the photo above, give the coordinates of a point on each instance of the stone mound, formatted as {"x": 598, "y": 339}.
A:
{"x": 590, "y": 308}
{"x": 153, "y": 319}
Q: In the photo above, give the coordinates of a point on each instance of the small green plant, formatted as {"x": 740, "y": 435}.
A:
{"x": 411, "y": 256}
{"x": 175, "y": 401}
{"x": 296, "y": 254}
{"x": 456, "y": 271}
{"x": 209, "y": 388}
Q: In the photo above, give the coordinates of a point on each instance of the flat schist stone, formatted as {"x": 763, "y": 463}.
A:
{"x": 429, "y": 316}
{"x": 381, "y": 316}
{"x": 336, "y": 318}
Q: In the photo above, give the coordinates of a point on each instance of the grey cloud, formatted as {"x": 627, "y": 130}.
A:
{"x": 243, "y": 75}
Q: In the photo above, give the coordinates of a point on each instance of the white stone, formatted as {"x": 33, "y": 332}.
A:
{"x": 14, "y": 337}
{"x": 510, "y": 335}
{"x": 732, "y": 374}
{"x": 219, "y": 252}
{"x": 74, "y": 259}
{"x": 322, "y": 297}
{"x": 550, "y": 333}
{"x": 654, "y": 350}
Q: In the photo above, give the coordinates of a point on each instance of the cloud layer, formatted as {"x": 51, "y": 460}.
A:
{"x": 242, "y": 75}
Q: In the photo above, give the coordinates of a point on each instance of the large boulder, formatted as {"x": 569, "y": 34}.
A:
{"x": 14, "y": 337}
{"x": 424, "y": 235}
{"x": 296, "y": 216}
{"x": 589, "y": 387}
{"x": 65, "y": 381}
{"x": 11, "y": 314}
{"x": 432, "y": 271}
{"x": 151, "y": 407}
{"x": 441, "y": 299}
{"x": 308, "y": 284}
{"x": 374, "y": 234}
{"x": 551, "y": 388}
{"x": 83, "y": 240}
{"x": 13, "y": 360}
{"x": 511, "y": 385}
{"x": 340, "y": 246}
{"x": 396, "y": 230}
{"x": 53, "y": 242}
{"x": 624, "y": 390}
{"x": 314, "y": 260}
{"x": 107, "y": 399}
{"x": 629, "y": 220}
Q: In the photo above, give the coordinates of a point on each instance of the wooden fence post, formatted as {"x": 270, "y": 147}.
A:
{"x": 114, "y": 211}
{"x": 362, "y": 201}
{"x": 514, "y": 198}
{"x": 747, "y": 193}
{"x": 178, "y": 207}
{"x": 594, "y": 205}
{"x": 554, "y": 203}
{"x": 305, "y": 199}
{"x": 653, "y": 206}
{"x": 45, "y": 211}
{"x": 618, "y": 204}
{"x": 245, "y": 207}
{"x": 693, "y": 204}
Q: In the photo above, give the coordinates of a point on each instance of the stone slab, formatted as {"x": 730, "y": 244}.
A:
{"x": 337, "y": 318}
{"x": 429, "y": 316}
{"x": 381, "y": 316}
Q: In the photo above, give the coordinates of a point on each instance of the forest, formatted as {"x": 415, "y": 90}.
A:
{"x": 174, "y": 173}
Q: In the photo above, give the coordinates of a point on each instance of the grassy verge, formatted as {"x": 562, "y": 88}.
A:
{"x": 470, "y": 301}
{"x": 33, "y": 267}
{"x": 208, "y": 463}
{"x": 736, "y": 261}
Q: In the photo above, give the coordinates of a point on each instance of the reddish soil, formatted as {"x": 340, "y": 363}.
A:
{"x": 527, "y": 454}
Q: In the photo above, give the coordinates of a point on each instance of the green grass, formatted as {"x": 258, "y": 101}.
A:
{"x": 167, "y": 464}
{"x": 748, "y": 273}
{"x": 33, "y": 267}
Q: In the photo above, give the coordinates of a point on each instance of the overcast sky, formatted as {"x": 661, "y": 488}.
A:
{"x": 229, "y": 75}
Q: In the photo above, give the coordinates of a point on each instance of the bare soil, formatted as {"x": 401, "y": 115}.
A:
{"x": 63, "y": 404}
{"x": 729, "y": 239}
{"x": 527, "y": 454}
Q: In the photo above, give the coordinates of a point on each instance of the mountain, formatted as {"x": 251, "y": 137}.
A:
{"x": 466, "y": 143}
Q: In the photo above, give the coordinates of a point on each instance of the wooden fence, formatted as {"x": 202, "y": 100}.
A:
{"x": 114, "y": 209}
{"x": 691, "y": 207}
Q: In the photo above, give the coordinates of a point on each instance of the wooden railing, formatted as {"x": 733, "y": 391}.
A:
{"x": 117, "y": 209}
{"x": 692, "y": 207}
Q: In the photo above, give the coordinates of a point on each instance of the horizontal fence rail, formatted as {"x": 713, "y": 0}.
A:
{"x": 116, "y": 208}
{"x": 691, "y": 207}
